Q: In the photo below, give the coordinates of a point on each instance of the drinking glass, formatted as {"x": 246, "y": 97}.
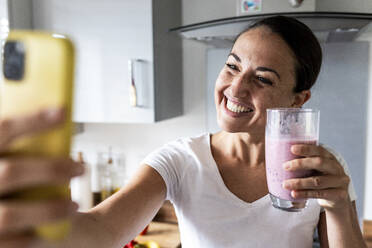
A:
{"x": 286, "y": 127}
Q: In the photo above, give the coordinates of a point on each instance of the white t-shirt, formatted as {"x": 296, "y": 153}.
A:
{"x": 211, "y": 216}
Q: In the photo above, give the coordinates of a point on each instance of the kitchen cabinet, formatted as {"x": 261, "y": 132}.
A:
{"x": 107, "y": 36}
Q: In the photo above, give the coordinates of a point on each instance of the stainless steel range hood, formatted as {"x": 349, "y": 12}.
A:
{"x": 327, "y": 26}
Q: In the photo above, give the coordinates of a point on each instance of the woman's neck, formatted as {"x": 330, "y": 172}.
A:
{"x": 242, "y": 148}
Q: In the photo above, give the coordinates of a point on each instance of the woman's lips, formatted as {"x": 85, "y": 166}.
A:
{"x": 234, "y": 109}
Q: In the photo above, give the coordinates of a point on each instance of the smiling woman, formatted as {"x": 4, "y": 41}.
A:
{"x": 262, "y": 72}
{"x": 272, "y": 64}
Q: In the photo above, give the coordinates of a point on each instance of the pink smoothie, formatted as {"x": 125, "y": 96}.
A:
{"x": 277, "y": 153}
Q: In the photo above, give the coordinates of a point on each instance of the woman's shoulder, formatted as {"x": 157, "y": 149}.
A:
{"x": 183, "y": 149}
{"x": 175, "y": 154}
{"x": 193, "y": 142}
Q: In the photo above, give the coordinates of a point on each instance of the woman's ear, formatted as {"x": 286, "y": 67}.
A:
{"x": 300, "y": 98}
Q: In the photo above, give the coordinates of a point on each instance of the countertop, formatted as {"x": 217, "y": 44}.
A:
{"x": 165, "y": 234}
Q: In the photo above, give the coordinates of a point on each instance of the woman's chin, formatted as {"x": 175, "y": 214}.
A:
{"x": 232, "y": 128}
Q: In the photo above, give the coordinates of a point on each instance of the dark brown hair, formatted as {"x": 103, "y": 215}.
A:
{"x": 302, "y": 42}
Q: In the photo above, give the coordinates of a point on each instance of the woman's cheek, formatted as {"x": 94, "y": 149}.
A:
{"x": 221, "y": 84}
{"x": 218, "y": 92}
{"x": 276, "y": 99}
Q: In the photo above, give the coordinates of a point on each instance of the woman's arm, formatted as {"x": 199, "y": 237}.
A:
{"x": 120, "y": 218}
{"x": 340, "y": 228}
{"x": 111, "y": 224}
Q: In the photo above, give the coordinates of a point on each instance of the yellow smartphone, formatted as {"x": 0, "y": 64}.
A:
{"x": 38, "y": 72}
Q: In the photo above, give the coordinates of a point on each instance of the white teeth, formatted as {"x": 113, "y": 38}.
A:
{"x": 237, "y": 108}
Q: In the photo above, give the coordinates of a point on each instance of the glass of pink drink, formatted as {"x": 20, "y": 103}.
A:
{"x": 286, "y": 127}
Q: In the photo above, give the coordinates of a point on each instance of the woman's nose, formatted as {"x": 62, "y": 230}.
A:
{"x": 240, "y": 86}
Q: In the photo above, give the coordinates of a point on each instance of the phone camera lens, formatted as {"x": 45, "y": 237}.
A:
{"x": 14, "y": 60}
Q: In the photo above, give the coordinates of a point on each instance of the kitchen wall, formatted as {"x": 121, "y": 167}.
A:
{"x": 341, "y": 94}
{"x": 199, "y": 11}
{"x": 206, "y": 10}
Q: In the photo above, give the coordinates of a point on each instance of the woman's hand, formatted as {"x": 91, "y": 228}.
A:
{"x": 329, "y": 185}
{"x": 17, "y": 218}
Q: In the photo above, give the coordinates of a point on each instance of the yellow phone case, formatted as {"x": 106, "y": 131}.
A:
{"x": 47, "y": 82}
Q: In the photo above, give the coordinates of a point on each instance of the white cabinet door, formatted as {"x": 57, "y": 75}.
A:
{"x": 106, "y": 34}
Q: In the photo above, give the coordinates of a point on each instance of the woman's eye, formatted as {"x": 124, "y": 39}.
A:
{"x": 233, "y": 67}
{"x": 265, "y": 80}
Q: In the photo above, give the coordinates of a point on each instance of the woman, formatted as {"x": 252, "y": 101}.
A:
{"x": 216, "y": 182}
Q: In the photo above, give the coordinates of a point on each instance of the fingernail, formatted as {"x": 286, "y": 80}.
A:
{"x": 293, "y": 149}
{"x": 287, "y": 166}
{"x": 293, "y": 194}
{"x": 285, "y": 185}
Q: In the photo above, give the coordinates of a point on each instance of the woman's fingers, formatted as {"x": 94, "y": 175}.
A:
{"x": 16, "y": 216}
{"x": 11, "y": 129}
{"x": 22, "y": 240}
{"x": 308, "y": 150}
{"x": 330, "y": 186}
{"x": 331, "y": 195}
{"x": 17, "y": 173}
{"x": 321, "y": 164}
{"x": 317, "y": 182}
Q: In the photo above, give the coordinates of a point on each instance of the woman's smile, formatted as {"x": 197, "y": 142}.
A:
{"x": 234, "y": 108}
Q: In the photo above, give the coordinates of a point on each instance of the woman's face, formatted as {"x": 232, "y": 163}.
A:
{"x": 259, "y": 74}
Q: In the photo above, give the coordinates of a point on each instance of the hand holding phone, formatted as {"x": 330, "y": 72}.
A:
{"x": 38, "y": 74}
{"x": 21, "y": 214}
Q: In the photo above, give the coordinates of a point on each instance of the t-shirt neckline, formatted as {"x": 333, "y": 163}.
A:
{"x": 234, "y": 198}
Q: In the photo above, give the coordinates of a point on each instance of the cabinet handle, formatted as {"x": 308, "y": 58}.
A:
{"x": 295, "y": 3}
{"x": 132, "y": 90}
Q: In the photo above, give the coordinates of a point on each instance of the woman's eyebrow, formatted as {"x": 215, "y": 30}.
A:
{"x": 262, "y": 68}
{"x": 236, "y": 57}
